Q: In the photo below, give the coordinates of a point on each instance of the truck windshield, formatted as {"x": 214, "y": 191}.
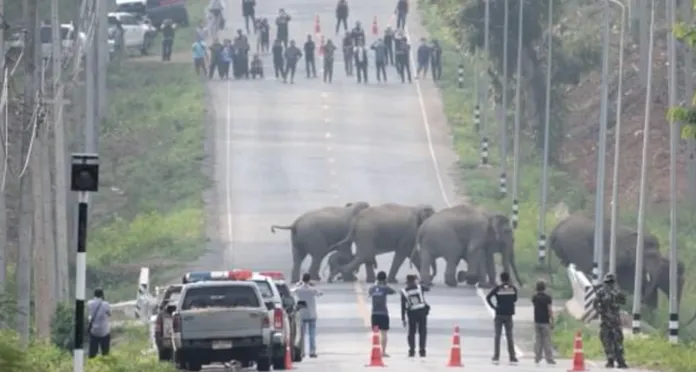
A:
{"x": 265, "y": 288}
{"x": 220, "y": 296}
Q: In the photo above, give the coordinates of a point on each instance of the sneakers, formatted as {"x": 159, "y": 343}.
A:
{"x": 411, "y": 353}
{"x": 421, "y": 353}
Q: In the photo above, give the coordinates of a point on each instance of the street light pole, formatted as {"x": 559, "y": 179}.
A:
{"x": 598, "y": 259}
{"x": 674, "y": 148}
{"x": 617, "y": 145}
{"x": 518, "y": 113}
{"x": 486, "y": 88}
{"x": 638, "y": 279}
{"x": 504, "y": 119}
{"x": 547, "y": 133}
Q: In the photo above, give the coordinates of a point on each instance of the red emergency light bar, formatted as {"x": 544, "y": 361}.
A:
{"x": 275, "y": 275}
{"x": 200, "y": 276}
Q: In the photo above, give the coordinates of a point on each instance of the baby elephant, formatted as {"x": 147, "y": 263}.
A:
{"x": 339, "y": 259}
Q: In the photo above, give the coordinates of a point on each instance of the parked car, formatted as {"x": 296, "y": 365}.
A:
{"x": 163, "y": 321}
{"x": 157, "y": 10}
{"x": 138, "y": 32}
{"x": 69, "y": 41}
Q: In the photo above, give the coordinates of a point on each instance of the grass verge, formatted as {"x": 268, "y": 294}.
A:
{"x": 481, "y": 185}
{"x": 41, "y": 356}
{"x": 149, "y": 211}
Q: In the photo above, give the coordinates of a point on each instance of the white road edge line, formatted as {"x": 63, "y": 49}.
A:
{"x": 436, "y": 165}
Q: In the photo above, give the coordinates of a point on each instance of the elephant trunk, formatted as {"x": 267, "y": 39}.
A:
{"x": 509, "y": 261}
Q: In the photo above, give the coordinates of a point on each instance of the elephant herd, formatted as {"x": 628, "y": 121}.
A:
{"x": 462, "y": 232}
{"x": 417, "y": 233}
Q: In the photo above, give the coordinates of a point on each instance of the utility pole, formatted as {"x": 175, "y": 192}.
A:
{"x": 102, "y": 56}
{"x": 688, "y": 12}
{"x": 24, "y": 257}
{"x": 518, "y": 113}
{"x": 486, "y": 87}
{"x": 504, "y": 119}
{"x": 674, "y": 130}
{"x": 598, "y": 261}
{"x": 547, "y": 133}
{"x": 643, "y": 38}
{"x": 61, "y": 191}
{"x": 3, "y": 205}
{"x": 640, "y": 248}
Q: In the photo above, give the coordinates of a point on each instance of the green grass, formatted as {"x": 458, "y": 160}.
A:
{"x": 481, "y": 185}
{"x": 149, "y": 209}
{"x": 41, "y": 356}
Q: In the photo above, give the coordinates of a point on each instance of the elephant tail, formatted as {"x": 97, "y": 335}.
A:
{"x": 280, "y": 227}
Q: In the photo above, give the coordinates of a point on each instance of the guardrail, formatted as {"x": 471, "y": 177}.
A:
{"x": 580, "y": 305}
{"x": 138, "y": 309}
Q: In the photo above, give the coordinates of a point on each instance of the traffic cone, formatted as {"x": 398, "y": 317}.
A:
{"x": 578, "y": 354}
{"x": 321, "y": 46}
{"x": 317, "y": 27}
{"x": 288, "y": 355}
{"x": 376, "y": 354}
{"x": 456, "y": 351}
{"x": 375, "y": 29}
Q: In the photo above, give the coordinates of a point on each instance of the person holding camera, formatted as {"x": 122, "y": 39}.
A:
{"x": 505, "y": 297}
{"x": 414, "y": 306}
{"x": 380, "y": 312}
{"x": 307, "y": 294}
{"x": 543, "y": 324}
{"x": 607, "y": 303}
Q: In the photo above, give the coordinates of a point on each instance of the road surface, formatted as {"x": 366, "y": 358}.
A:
{"x": 283, "y": 149}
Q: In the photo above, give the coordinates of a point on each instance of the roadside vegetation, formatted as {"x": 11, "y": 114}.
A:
{"x": 459, "y": 27}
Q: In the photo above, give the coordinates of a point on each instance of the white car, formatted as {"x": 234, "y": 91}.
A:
{"x": 67, "y": 36}
{"x": 138, "y": 33}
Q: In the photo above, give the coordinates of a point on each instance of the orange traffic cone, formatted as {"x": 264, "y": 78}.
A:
{"x": 578, "y": 354}
{"x": 376, "y": 354}
{"x": 317, "y": 27}
{"x": 456, "y": 351}
{"x": 375, "y": 29}
{"x": 321, "y": 46}
{"x": 288, "y": 355}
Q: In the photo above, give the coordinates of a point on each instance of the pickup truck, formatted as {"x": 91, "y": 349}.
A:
{"x": 163, "y": 321}
{"x": 221, "y": 321}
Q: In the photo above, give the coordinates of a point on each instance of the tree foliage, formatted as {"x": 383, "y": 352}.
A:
{"x": 686, "y": 116}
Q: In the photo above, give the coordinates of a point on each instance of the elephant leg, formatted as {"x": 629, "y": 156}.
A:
{"x": 450, "y": 268}
{"x": 298, "y": 255}
{"x": 489, "y": 272}
{"x": 370, "y": 276}
{"x": 398, "y": 260}
{"x": 315, "y": 266}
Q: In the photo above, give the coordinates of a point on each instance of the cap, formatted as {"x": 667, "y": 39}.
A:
{"x": 609, "y": 278}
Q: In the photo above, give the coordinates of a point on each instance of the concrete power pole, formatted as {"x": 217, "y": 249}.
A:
{"x": 102, "y": 56}
{"x": 3, "y": 207}
{"x": 60, "y": 150}
{"x": 24, "y": 257}
{"x": 643, "y": 40}
{"x": 688, "y": 12}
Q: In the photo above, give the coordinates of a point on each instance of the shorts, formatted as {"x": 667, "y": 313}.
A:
{"x": 380, "y": 321}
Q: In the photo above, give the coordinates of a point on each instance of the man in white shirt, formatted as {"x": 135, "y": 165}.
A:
{"x": 307, "y": 293}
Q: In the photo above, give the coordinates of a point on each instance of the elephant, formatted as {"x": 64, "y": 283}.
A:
{"x": 469, "y": 233}
{"x": 317, "y": 233}
{"x": 338, "y": 259}
{"x": 381, "y": 229}
{"x": 572, "y": 241}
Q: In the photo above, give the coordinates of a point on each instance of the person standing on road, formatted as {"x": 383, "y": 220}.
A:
{"x": 607, "y": 303}
{"x": 401, "y": 13}
{"x": 414, "y": 306}
{"x": 249, "y": 13}
{"x": 389, "y": 43}
{"x": 380, "y": 59}
{"x": 505, "y": 296}
{"x": 543, "y": 324}
{"x": 98, "y": 327}
{"x": 436, "y": 60}
{"x": 200, "y": 56}
{"x": 167, "y": 39}
{"x": 402, "y": 57}
{"x": 423, "y": 59}
{"x": 329, "y": 51}
{"x": 348, "y": 54}
{"x": 310, "y": 65}
{"x": 342, "y": 15}
{"x": 307, "y": 293}
{"x": 358, "y": 34}
{"x": 278, "y": 60}
{"x": 361, "y": 63}
{"x": 283, "y": 27}
{"x": 215, "y": 58}
{"x": 292, "y": 56}
{"x": 380, "y": 312}
{"x": 263, "y": 38}
{"x": 226, "y": 55}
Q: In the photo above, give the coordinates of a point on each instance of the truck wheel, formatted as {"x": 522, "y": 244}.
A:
{"x": 194, "y": 365}
{"x": 164, "y": 354}
{"x": 296, "y": 354}
{"x": 263, "y": 364}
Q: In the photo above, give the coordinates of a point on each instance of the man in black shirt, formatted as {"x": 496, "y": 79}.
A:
{"x": 310, "y": 66}
{"x": 167, "y": 39}
{"x": 414, "y": 306}
{"x": 543, "y": 324}
{"x": 505, "y": 297}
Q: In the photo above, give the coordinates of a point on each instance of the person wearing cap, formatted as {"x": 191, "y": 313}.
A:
{"x": 543, "y": 324}
{"x": 505, "y": 295}
{"x": 414, "y": 306}
{"x": 607, "y": 302}
{"x": 98, "y": 327}
{"x": 380, "y": 312}
{"x": 307, "y": 294}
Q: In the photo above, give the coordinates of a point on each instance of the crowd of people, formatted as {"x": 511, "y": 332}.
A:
{"x": 390, "y": 49}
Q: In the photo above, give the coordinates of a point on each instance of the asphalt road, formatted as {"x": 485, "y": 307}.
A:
{"x": 283, "y": 149}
